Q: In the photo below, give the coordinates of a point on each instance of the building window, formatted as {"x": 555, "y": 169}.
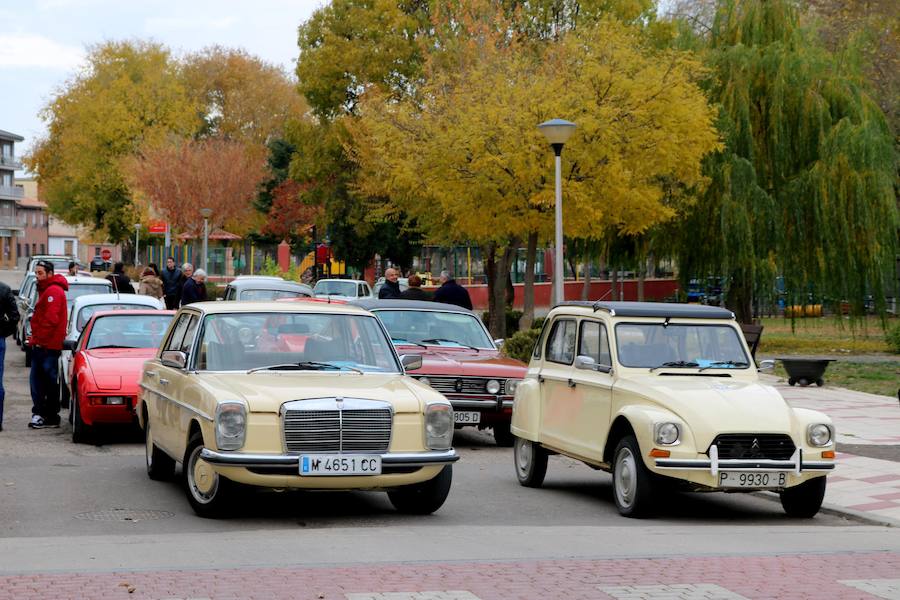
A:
{"x": 19, "y": 249}
{"x": 27, "y": 250}
{"x": 42, "y": 249}
{"x": 68, "y": 248}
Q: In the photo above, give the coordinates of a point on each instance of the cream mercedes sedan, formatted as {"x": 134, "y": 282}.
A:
{"x": 292, "y": 395}
{"x": 664, "y": 396}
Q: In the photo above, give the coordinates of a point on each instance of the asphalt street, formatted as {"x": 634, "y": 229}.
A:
{"x": 85, "y": 501}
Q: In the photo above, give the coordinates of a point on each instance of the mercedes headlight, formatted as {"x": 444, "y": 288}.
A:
{"x": 438, "y": 426}
{"x": 819, "y": 434}
{"x": 231, "y": 425}
{"x": 511, "y": 385}
{"x": 492, "y": 386}
{"x": 667, "y": 434}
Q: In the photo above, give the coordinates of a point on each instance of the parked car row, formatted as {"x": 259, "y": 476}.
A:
{"x": 278, "y": 388}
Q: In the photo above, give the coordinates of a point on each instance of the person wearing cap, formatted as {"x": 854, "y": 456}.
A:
{"x": 48, "y": 330}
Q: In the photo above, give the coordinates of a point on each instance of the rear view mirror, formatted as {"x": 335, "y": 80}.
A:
{"x": 70, "y": 345}
{"x": 174, "y": 358}
{"x": 585, "y": 362}
{"x": 766, "y": 365}
{"x": 411, "y": 362}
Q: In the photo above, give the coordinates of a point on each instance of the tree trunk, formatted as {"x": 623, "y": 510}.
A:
{"x": 614, "y": 283}
{"x": 740, "y": 297}
{"x": 586, "y": 286}
{"x": 528, "y": 288}
{"x": 642, "y": 274}
{"x": 498, "y": 274}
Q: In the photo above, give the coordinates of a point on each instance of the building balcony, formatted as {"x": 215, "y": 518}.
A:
{"x": 10, "y": 162}
{"x": 16, "y": 222}
{"x": 12, "y": 192}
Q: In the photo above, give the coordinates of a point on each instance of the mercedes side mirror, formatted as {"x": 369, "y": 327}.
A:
{"x": 70, "y": 345}
{"x": 174, "y": 358}
{"x": 411, "y": 362}
{"x": 766, "y": 365}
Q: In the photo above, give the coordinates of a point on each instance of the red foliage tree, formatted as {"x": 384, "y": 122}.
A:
{"x": 289, "y": 217}
{"x": 181, "y": 177}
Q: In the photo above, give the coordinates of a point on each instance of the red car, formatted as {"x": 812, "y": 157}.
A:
{"x": 106, "y": 367}
{"x": 459, "y": 359}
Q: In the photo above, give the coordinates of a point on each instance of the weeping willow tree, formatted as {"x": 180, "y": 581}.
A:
{"x": 805, "y": 185}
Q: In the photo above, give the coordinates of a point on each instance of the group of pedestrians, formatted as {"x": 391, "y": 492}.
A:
{"x": 449, "y": 291}
{"x": 178, "y": 287}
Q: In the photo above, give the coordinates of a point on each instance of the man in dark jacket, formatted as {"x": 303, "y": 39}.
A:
{"x": 9, "y": 317}
{"x": 48, "y": 330}
{"x": 194, "y": 289}
{"x": 451, "y": 292}
{"x": 173, "y": 281}
{"x": 391, "y": 288}
{"x": 415, "y": 291}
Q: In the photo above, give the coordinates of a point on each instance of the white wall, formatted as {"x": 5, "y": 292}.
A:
{"x": 57, "y": 245}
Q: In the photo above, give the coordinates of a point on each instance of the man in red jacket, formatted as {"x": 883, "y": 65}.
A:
{"x": 48, "y": 330}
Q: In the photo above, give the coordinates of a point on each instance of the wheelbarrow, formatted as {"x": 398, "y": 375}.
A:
{"x": 805, "y": 370}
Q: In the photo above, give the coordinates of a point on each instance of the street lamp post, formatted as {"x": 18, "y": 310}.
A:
{"x": 557, "y": 132}
{"x": 137, "y": 247}
{"x": 205, "y": 213}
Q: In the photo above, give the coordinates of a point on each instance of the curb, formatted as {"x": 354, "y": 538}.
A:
{"x": 841, "y": 511}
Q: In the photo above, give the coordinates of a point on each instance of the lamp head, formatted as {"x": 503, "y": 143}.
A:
{"x": 557, "y": 131}
{"x": 205, "y": 212}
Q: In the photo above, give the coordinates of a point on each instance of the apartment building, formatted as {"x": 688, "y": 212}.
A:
{"x": 11, "y": 224}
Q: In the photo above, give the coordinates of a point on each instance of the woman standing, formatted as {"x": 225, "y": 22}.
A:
{"x": 151, "y": 285}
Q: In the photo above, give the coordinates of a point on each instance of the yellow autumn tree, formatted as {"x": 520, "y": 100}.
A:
{"x": 464, "y": 158}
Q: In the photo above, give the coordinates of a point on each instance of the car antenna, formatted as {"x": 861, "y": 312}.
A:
{"x": 666, "y": 322}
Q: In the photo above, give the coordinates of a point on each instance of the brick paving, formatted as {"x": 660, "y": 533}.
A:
{"x": 850, "y": 576}
{"x": 860, "y": 485}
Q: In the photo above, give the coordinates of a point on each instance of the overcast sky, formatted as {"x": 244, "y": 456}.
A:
{"x": 42, "y": 42}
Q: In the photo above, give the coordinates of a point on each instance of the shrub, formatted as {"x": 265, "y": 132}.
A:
{"x": 538, "y": 322}
{"x": 520, "y": 344}
{"x": 512, "y": 320}
{"x": 893, "y": 338}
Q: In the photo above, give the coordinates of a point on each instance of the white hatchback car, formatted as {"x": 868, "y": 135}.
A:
{"x": 664, "y": 396}
{"x": 81, "y": 311}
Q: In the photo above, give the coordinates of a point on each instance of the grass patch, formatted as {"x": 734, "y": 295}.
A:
{"x": 872, "y": 377}
{"x": 823, "y": 335}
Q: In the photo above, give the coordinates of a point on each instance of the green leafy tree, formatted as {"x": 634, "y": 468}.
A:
{"x": 463, "y": 156}
{"x": 805, "y": 184}
{"x": 128, "y": 95}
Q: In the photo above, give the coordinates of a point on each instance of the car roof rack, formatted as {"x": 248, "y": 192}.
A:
{"x": 668, "y": 310}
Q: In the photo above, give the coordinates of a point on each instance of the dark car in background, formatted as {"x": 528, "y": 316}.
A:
{"x": 98, "y": 264}
{"x": 459, "y": 359}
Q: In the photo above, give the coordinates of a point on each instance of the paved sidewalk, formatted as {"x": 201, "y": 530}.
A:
{"x": 866, "y": 481}
{"x": 851, "y": 576}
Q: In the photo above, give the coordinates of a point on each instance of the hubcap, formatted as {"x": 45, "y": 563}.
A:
{"x": 203, "y": 480}
{"x": 625, "y": 477}
{"x": 524, "y": 452}
{"x": 148, "y": 446}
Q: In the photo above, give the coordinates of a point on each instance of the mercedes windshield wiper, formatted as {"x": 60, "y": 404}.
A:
{"x": 304, "y": 365}
{"x": 439, "y": 340}
{"x": 405, "y": 341}
{"x": 738, "y": 364}
{"x": 682, "y": 364}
